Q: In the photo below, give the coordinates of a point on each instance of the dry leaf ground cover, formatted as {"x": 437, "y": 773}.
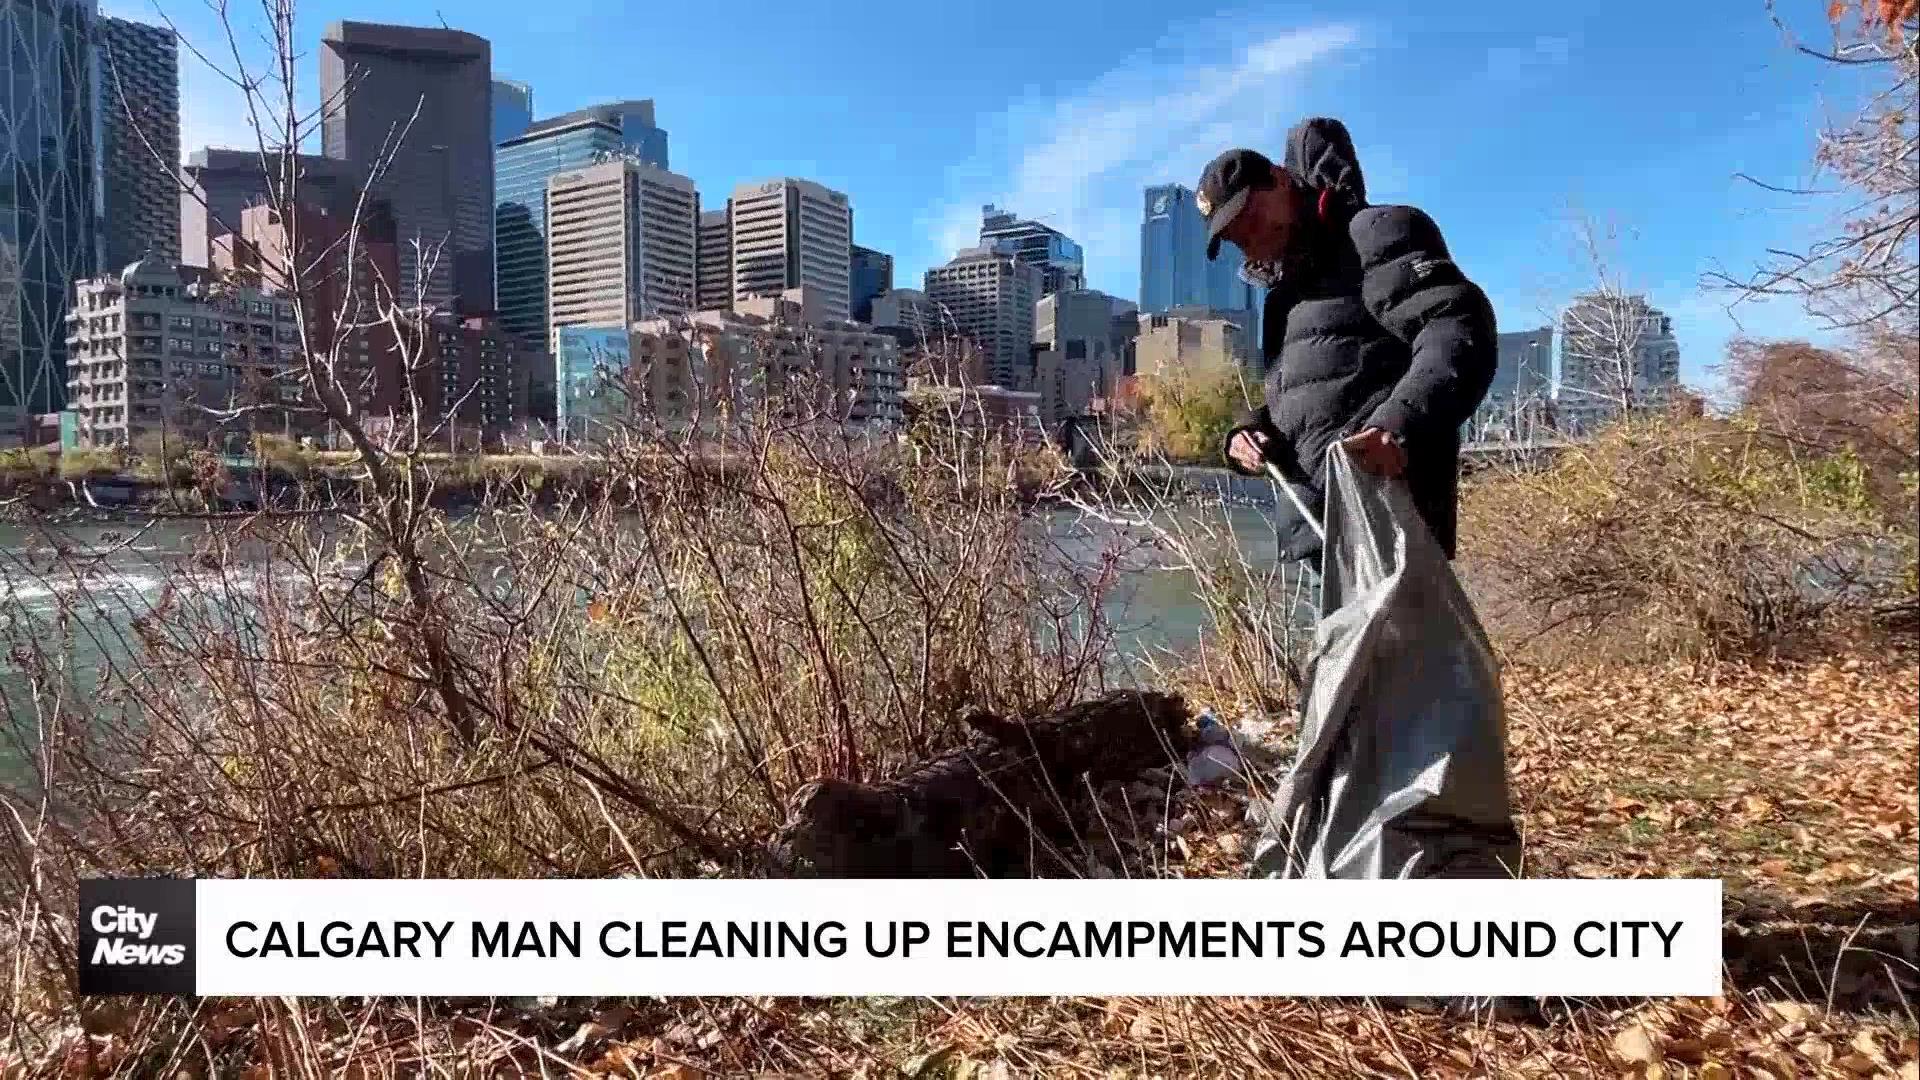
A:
{"x": 1793, "y": 781}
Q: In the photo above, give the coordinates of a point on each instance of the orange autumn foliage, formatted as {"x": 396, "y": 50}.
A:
{"x": 1892, "y": 14}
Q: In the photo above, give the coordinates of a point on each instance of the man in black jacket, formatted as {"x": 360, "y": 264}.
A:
{"x": 1371, "y": 335}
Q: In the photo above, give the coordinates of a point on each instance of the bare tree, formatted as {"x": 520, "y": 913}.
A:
{"x": 1866, "y": 271}
{"x": 1616, "y": 349}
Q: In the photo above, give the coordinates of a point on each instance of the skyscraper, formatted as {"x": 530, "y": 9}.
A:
{"x": 622, "y": 244}
{"x": 788, "y": 233}
{"x": 140, "y": 140}
{"x": 1060, "y": 261}
{"x": 432, "y": 90}
{"x": 991, "y": 296}
{"x": 48, "y": 238}
{"x": 512, "y": 109}
{"x": 218, "y": 184}
{"x": 1174, "y": 269}
{"x": 715, "y": 271}
{"x": 522, "y": 167}
{"x": 870, "y": 275}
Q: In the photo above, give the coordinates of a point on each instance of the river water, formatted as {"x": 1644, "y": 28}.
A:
{"x": 1152, "y": 606}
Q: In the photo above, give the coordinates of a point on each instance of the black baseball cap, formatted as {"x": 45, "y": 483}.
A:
{"x": 1224, "y": 188}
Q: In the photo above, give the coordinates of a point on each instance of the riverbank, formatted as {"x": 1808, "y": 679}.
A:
{"x": 1790, "y": 781}
{"x": 625, "y": 694}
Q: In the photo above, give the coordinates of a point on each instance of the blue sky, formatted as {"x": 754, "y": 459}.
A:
{"x": 1503, "y": 123}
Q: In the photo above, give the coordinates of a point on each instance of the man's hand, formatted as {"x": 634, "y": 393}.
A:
{"x": 1378, "y": 452}
{"x": 1248, "y": 449}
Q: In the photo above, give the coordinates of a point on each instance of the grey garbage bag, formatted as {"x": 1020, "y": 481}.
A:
{"x": 1401, "y": 769}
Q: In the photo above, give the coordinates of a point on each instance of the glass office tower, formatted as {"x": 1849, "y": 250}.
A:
{"x": 1062, "y": 264}
{"x": 522, "y": 166}
{"x": 49, "y": 146}
{"x": 1174, "y": 270}
{"x": 512, "y": 109}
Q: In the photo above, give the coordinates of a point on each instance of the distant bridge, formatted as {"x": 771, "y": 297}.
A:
{"x": 1532, "y": 453}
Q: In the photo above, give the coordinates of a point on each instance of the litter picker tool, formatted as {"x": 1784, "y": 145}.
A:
{"x": 1298, "y": 503}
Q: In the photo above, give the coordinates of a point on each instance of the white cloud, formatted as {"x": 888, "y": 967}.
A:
{"x": 1080, "y": 162}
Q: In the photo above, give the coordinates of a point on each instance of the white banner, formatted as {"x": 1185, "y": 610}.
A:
{"x": 908, "y": 938}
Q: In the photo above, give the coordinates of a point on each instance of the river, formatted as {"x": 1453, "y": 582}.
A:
{"x": 1152, "y": 607}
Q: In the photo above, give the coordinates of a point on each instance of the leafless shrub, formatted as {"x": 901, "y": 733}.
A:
{"x": 1671, "y": 535}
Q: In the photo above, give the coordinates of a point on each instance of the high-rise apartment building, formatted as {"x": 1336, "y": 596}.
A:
{"x": 469, "y": 381}
{"x": 48, "y": 236}
{"x": 431, "y": 89}
{"x": 522, "y": 167}
{"x": 714, "y": 291}
{"x": 479, "y": 380}
{"x": 217, "y": 184}
{"x": 306, "y": 254}
{"x": 1174, "y": 269}
{"x": 789, "y": 234}
{"x": 1525, "y": 366}
{"x": 139, "y": 95}
{"x": 621, "y": 244}
{"x": 990, "y": 296}
{"x": 165, "y": 347}
{"x": 512, "y": 109}
{"x": 1062, "y": 264}
{"x": 1616, "y": 352}
{"x": 870, "y": 274}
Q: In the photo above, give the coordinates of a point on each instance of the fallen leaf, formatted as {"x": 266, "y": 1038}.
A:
{"x": 1688, "y": 1050}
{"x": 1713, "y": 1070}
{"x": 580, "y": 1038}
{"x": 1635, "y": 1045}
{"x": 1790, "y": 1012}
{"x": 1817, "y": 1050}
{"x": 1867, "y": 1041}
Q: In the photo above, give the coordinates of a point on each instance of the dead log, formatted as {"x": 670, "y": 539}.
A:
{"x": 1008, "y": 803}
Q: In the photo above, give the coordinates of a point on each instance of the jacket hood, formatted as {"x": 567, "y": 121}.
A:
{"x": 1320, "y": 154}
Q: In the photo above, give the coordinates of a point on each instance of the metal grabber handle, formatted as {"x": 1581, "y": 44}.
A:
{"x": 1294, "y": 498}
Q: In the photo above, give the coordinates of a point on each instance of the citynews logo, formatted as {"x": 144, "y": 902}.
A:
{"x": 119, "y": 950}
{"x": 136, "y": 936}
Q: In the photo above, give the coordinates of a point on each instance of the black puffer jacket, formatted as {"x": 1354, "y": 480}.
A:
{"x": 1371, "y": 326}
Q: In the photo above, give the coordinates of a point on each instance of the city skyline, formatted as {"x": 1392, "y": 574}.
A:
{"x": 442, "y": 62}
{"x": 1076, "y": 151}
